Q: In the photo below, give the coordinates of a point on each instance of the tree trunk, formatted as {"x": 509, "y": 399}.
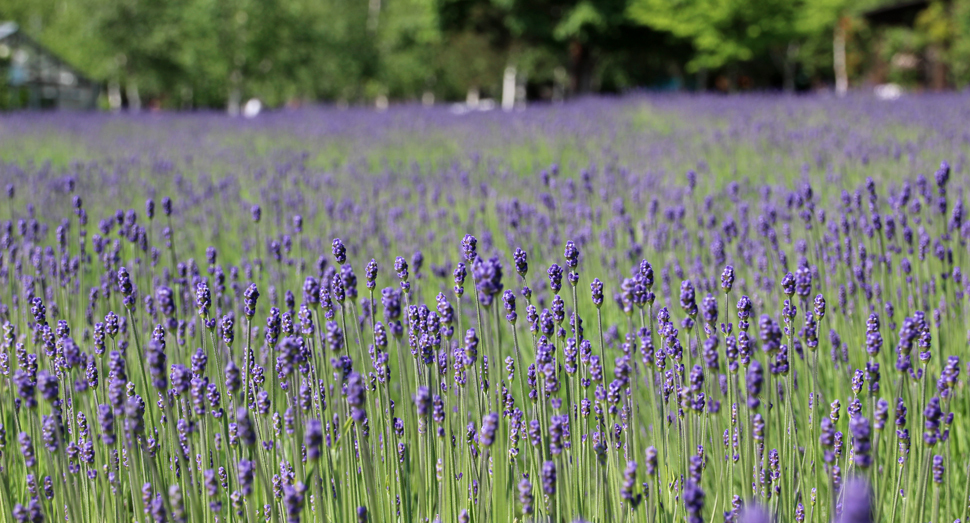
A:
{"x": 114, "y": 95}
{"x": 732, "y": 78}
{"x": 559, "y": 78}
{"x": 520, "y": 94}
{"x": 134, "y": 101}
{"x": 373, "y": 15}
{"x": 235, "y": 93}
{"x": 936, "y": 68}
{"x": 472, "y": 97}
{"x": 582, "y": 68}
{"x": 838, "y": 59}
{"x": 788, "y": 68}
{"x": 508, "y": 88}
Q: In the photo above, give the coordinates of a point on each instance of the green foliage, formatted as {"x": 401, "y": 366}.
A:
{"x": 196, "y": 52}
{"x": 960, "y": 49}
{"x": 200, "y": 53}
{"x": 722, "y": 31}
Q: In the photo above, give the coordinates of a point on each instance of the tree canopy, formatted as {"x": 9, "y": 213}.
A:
{"x": 206, "y": 53}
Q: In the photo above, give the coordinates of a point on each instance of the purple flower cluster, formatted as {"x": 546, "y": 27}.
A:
{"x": 219, "y": 361}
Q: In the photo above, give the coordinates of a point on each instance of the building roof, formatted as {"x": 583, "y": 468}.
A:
{"x": 50, "y": 68}
{"x": 7, "y": 29}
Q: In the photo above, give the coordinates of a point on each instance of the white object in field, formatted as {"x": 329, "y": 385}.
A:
{"x": 508, "y": 89}
{"x": 381, "y": 102}
{"x": 427, "y": 99}
{"x": 471, "y": 99}
{"x": 252, "y": 108}
{"x": 472, "y": 103}
{"x": 559, "y": 78}
{"x": 134, "y": 100}
{"x": 888, "y": 91}
{"x": 232, "y": 106}
{"x": 114, "y": 96}
{"x": 838, "y": 60}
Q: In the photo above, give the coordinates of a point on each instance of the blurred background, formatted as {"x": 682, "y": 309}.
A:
{"x": 244, "y": 55}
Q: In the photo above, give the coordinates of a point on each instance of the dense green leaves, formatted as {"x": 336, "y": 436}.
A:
{"x": 197, "y": 52}
{"x": 208, "y": 53}
{"x": 726, "y": 31}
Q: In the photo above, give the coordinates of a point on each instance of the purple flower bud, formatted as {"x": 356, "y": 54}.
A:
{"x": 549, "y": 478}
{"x": 339, "y": 251}
{"x": 370, "y": 274}
{"x": 819, "y": 307}
{"x": 932, "y": 415}
{"x": 754, "y": 513}
{"x": 509, "y": 299}
{"x": 155, "y": 358}
{"x": 555, "y": 277}
{"x": 861, "y": 446}
{"x": 244, "y": 427}
{"x": 709, "y": 310}
{"x": 27, "y": 449}
{"x": 521, "y": 261}
{"x": 313, "y": 439}
{"x": 687, "y": 300}
{"x": 788, "y": 284}
{"x": 572, "y": 255}
{"x": 857, "y": 504}
{"x": 422, "y": 400}
{"x": 694, "y": 502}
{"x": 470, "y": 352}
{"x": 727, "y": 279}
{"x": 803, "y": 282}
{"x": 469, "y": 246}
{"x": 630, "y": 484}
{"x": 754, "y": 379}
{"x": 334, "y": 336}
{"x": 770, "y": 335}
{"x": 356, "y": 392}
{"x": 596, "y": 288}
{"x": 525, "y": 496}
{"x": 48, "y": 386}
{"x": 489, "y": 425}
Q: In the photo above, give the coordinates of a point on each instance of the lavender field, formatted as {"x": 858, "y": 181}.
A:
{"x": 646, "y": 309}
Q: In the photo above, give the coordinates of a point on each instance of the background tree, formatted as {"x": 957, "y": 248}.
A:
{"x": 216, "y": 53}
{"x": 725, "y": 32}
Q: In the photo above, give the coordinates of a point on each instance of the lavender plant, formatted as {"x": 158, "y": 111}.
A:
{"x": 260, "y": 383}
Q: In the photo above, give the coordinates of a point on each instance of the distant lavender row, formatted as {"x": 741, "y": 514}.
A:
{"x": 643, "y": 309}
